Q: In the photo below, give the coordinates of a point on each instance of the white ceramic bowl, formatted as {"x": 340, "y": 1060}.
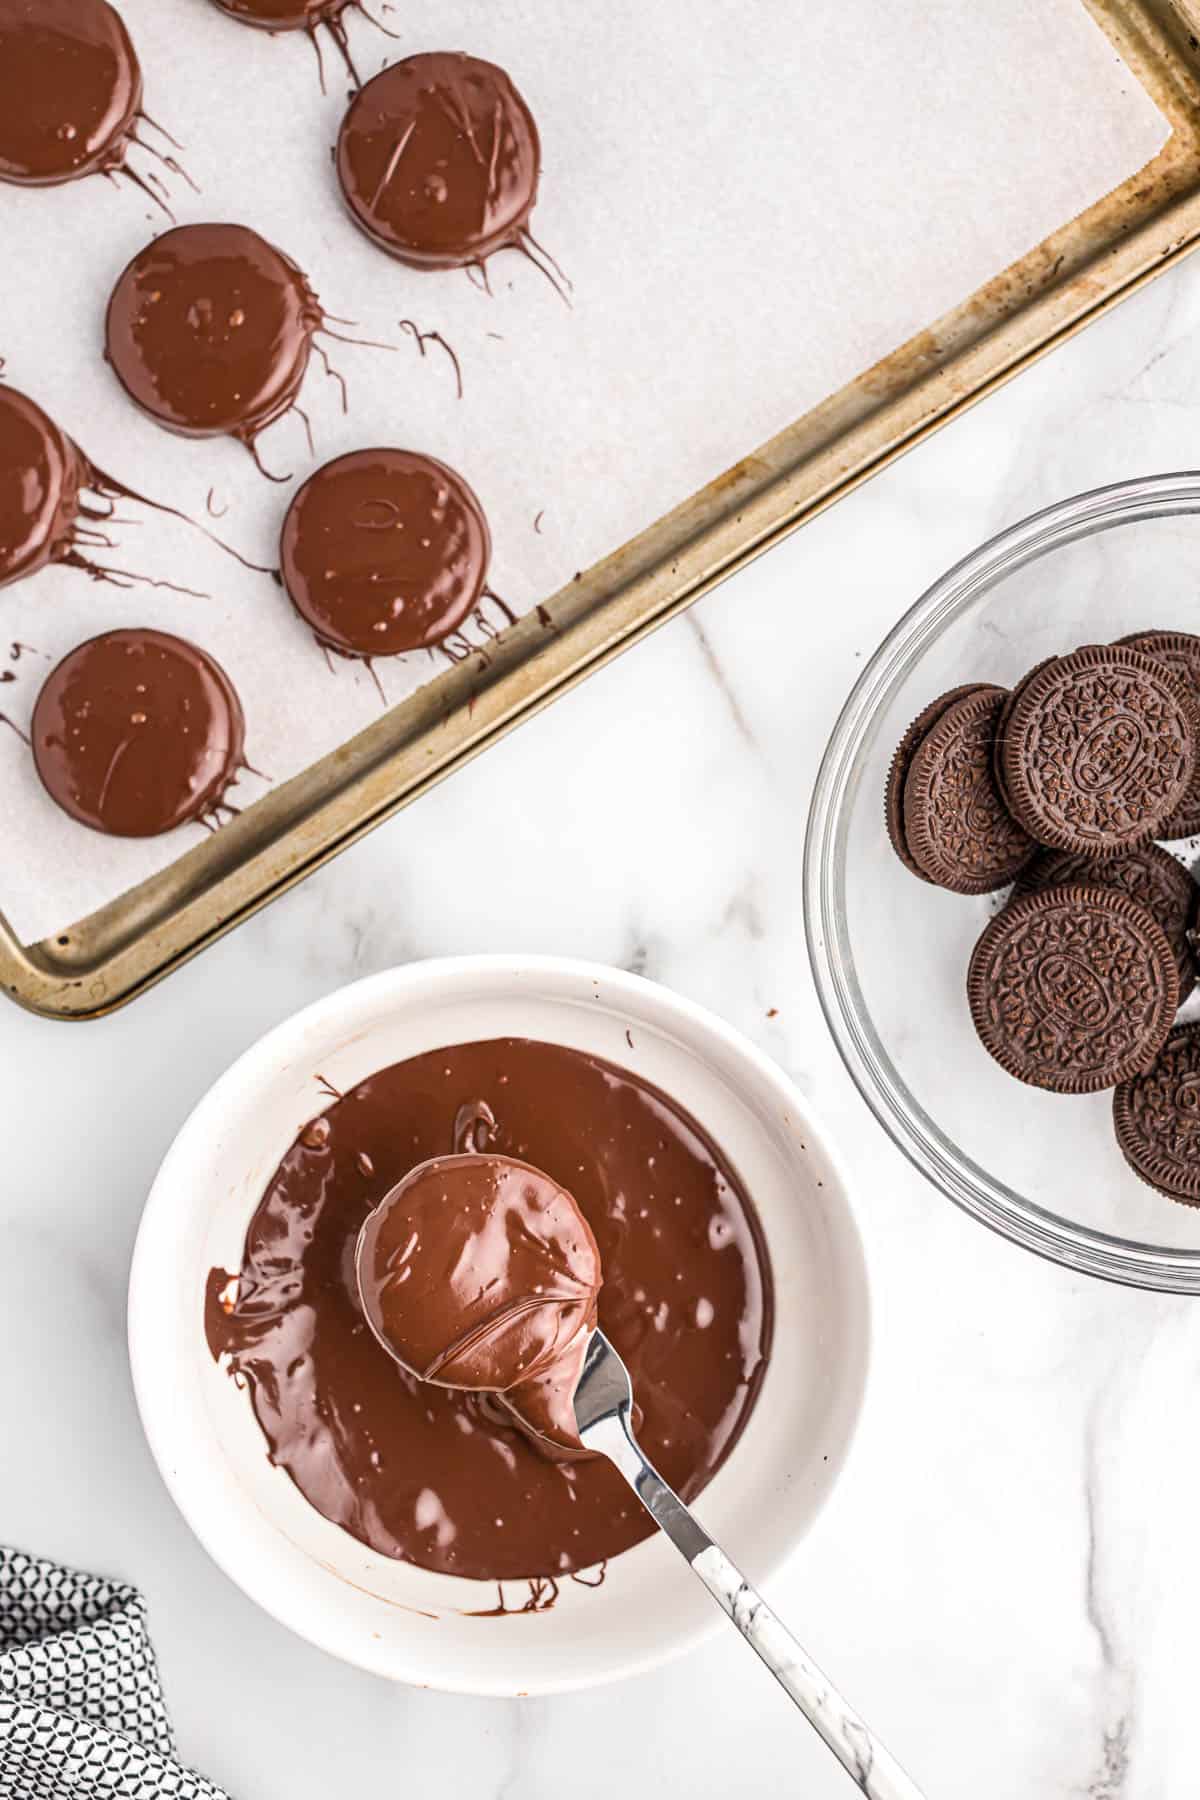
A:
{"x": 323, "y": 1583}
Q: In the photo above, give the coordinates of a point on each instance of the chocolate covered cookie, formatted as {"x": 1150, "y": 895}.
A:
{"x": 136, "y": 732}
{"x": 1180, "y": 650}
{"x": 70, "y": 91}
{"x": 957, "y": 828}
{"x": 384, "y": 551}
{"x": 1149, "y": 875}
{"x": 284, "y": 15}
{"x": 438, "y": 159}
{"x": 1099, "y": 750}
{"x": 1156, "y": 1116}
{"x": 1073, "y": 989}
{"x": 209, "y": 331}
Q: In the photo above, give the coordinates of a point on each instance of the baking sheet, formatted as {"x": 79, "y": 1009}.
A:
{"x": 749, "y": 218}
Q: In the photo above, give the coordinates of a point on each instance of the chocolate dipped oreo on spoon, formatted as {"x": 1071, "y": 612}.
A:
{"x": 481, "y": 1272}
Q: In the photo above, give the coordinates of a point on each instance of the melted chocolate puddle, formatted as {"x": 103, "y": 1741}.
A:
{"x": 441, "y": 1478}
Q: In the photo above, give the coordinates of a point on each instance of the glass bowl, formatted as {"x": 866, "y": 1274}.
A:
{"x": 889, "y": 953}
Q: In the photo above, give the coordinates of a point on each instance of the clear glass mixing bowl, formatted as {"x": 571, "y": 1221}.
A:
{"x": 889, "y": 954}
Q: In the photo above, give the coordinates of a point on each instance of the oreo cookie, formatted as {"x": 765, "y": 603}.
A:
{"x": 1180, "y": 651}
{"x": 1002, "y": 723}
{"x": 897, "y": 775}
{"x": 956, "y": 827}
{"x": 1148, "y": 875}
{"x": 1073, "y": 989}
{"x": 1156, "y": 1116}
{"x": 1100, "y": 750}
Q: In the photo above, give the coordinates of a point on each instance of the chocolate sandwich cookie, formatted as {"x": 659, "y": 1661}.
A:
{"x": 384, "y": 551}
{"x": 1150, "y": 875}
{"x": 957, "y": 828}
{"x": 438, "y": 159}
{"x": 1156, "y": 1116}
{"x": 1002, "y": 723}
{"x": 1180, "y": 650}
{"x": 1073, "y": 989}
{"x": 209, "y": 331}
{"x": 70, "y": 90}
{"x": 1100, "y": 750}
{"x": 135, "y": 732}
{"x": 897, "y": 775}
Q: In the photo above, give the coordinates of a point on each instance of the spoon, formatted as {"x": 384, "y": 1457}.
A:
{"x": 479, "y": 1271}
{"x": 603, "y": 1402}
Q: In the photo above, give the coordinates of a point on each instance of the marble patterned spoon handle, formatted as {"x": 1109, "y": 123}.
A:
{"x": 605, "y": 1424}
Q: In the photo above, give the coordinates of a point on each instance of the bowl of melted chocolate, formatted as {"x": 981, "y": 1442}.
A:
{"x": 581, "y": 1135}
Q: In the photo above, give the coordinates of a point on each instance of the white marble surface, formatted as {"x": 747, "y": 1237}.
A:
{"x": 1005, "y": 1582}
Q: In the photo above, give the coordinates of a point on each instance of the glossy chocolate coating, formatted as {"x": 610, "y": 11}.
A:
{"x": 480, "y": 1272}
{"x": 384, "y": 551}
{"x": 70, "y": 89}
{"x": 137, "y": 731}
{"x": 209, "y": 330}
{"x": 438, "y": 159}
{"x": 41, "y": 473}
{"x": 284, "y": 15}
{"x": 444, "y": 1478}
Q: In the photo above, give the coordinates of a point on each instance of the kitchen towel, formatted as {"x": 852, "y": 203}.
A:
{"x": 82, "y": 1713}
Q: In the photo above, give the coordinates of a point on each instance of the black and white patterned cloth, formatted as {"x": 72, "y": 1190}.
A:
{"x": 82, "y": 1714}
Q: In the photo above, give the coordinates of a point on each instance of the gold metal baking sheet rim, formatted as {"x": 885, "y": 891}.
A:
{"x": 1124, "y": 241}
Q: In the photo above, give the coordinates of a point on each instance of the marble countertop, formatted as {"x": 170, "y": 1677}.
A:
{"x": 1003, "y": 1581}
